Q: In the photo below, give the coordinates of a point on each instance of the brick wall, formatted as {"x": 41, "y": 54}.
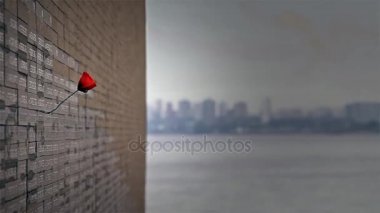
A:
{"x": 77, "y": 158}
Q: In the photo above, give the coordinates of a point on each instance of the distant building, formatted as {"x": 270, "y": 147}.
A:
{"x": 363, "y": 112}
{"x": 197, "y": 111}
{"x": 288, "y": 113}
{"x": 338, "y": 112}
{"x": 223, "y": 109}
{"x": 150, "y": 113}
{"x": 321, "y": 113}
{"x": 184, "y": 109}
{"x": 266, "y": 111}
{"x": 240, "y": 110}
{"x": 208, "y": 111}
{"x": 170, "y": 113}
{"x": 157, "y": 110}
{"x": 170, "y": 120}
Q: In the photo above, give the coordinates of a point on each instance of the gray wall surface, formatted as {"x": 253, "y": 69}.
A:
{"x": 77, "y": 158}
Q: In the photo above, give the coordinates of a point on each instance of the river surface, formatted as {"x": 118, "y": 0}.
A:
{"x": 281, "y": 174}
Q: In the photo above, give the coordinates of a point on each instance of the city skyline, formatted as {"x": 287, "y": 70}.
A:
{"x": 258, "y": 105}
{"x": 306, "y": 53}
{"x": 266, "y": 109}
{"x": 210, "y": 116}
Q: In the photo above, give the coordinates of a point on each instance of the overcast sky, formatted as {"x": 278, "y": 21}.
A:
{"x": 299, "y": 53}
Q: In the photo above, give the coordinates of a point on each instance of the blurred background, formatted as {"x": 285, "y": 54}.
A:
{"x": 263, "y": 106}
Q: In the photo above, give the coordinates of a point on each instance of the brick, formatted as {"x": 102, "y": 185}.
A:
{"x": 11, "y": 78}
{"x": 63, "y": 38}
{"x": 23, "y": 10}
{"x": 8, "y": 116}
{"x": 11, "y": 6}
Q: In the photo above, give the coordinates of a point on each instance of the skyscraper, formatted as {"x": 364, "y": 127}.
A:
{"x": 208, "y": 111}
{"x": 158, "y": 110}
{"x": 170, "y": 113}
{"x": 222, "y": 111}
{"x": 184, "y": 109}
{"x": 266, "y": 110}
{"x": 170, "y": 118}
{"x": 240, "y": 110}
{"x": 363, "y": 112}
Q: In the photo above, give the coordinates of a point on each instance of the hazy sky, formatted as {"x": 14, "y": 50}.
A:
{"x": 299, "y": 53}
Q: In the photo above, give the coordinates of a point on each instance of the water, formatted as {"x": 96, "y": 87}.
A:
{"x": 283, "y": 174}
